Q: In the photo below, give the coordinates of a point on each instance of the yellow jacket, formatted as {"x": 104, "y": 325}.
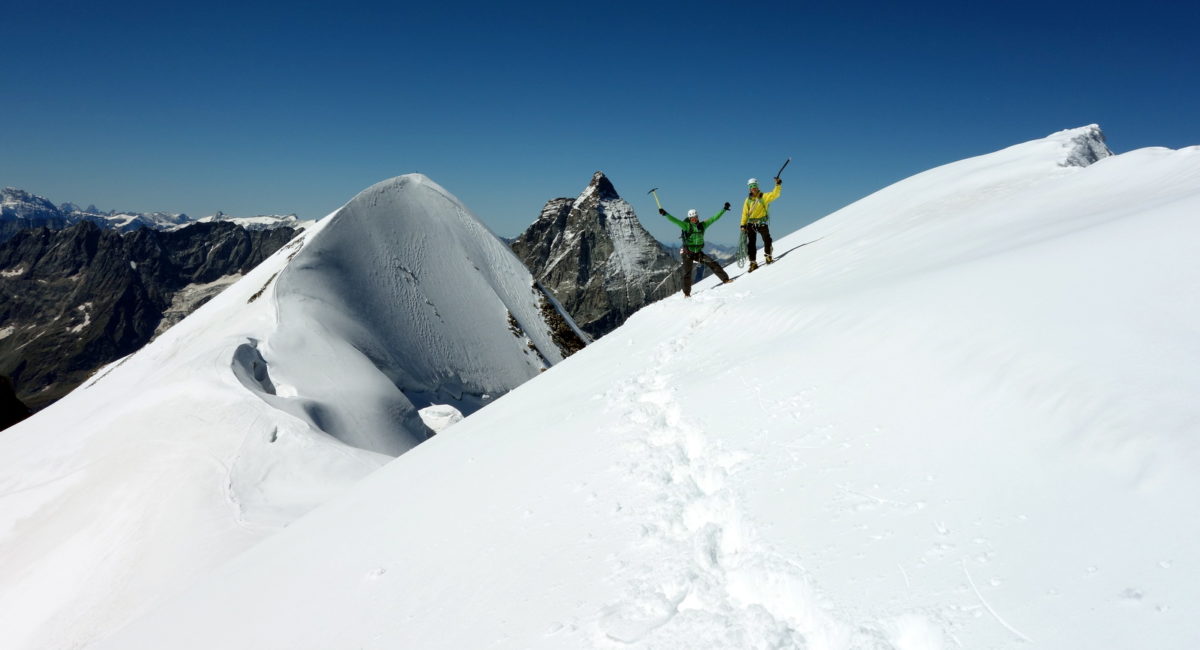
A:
{"x": 756, "y": 209}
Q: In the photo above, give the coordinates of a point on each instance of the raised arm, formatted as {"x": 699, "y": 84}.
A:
{"x": 672, "y": 219}
{"x": 773, "y": 194}
{"x": 716, "y": 216}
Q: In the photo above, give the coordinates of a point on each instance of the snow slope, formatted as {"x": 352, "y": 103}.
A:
{"x": 958, "y": 413}
{"x": 280, "y": 392}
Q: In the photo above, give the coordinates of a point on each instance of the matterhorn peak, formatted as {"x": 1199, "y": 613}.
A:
{"x": 601, "y": 187}
{"x": 596, "y": 257}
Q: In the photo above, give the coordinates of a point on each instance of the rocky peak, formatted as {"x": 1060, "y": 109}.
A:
{"x": 601, "y": 188}
{"x": 1085, "y": 146}
{"x": 596, "y": 258}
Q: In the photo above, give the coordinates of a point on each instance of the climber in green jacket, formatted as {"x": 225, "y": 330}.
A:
{"x": 692, "y": 231}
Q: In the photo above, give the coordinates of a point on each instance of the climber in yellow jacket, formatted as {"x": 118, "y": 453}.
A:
{"x": 755, "y": 220}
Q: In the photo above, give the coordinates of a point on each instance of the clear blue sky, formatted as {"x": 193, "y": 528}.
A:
{"x": 295, "y": 107}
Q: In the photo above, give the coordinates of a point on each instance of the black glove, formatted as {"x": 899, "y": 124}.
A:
{"x": 727, "y": 205}
{"x": 662, "y": 212}
{"x": 778, "y": 181}
{"x": 746, "y": 227}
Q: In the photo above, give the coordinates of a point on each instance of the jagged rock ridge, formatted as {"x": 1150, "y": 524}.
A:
{"x": 81, "y": 297}
{"x": 597, "y": 259}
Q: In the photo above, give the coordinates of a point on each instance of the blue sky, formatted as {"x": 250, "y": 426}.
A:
{"x": 279, "y": 108}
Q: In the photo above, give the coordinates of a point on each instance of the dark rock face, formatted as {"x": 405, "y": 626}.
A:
{"x": 78, "y": 298}
{"x": 565, "y": 337}
{"x": 12, "y": 410}
{"x": 1088, "y": 146}
{"x": 594, "y": 255}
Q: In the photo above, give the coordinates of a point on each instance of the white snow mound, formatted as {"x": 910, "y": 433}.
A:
{"x": 265, "y": 402}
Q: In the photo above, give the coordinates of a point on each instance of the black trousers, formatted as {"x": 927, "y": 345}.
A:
{"x": 689, "y": 258}
{"x": 751, "y": 239}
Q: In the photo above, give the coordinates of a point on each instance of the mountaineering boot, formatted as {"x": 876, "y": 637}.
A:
{"x": 753, "y": 266}
{"x": 769, "y": 258}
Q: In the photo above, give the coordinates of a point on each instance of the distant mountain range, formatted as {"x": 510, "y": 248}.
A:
{"x": 21, "y": 210}
{"x": 83, "y": 288}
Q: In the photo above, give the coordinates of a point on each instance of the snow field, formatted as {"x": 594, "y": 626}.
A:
{"x": 958, "y": 413}
{"x": 262, "y": 404}
{"x": 699, "y": 560}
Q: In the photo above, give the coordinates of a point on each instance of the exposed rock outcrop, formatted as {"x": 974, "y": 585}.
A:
{"x": 596, "y": 258}
{"x": 1086, "y": 147}
{"x": 78, "y": 298}
{"x": 12, "y": 410}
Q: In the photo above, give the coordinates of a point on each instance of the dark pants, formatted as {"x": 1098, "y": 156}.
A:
{"x": 689, "y": 258}
{"x": 751, "y": 243}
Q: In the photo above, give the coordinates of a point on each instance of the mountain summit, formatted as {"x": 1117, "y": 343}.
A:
{"x": 293, "y": 383}
{"x": 595, "y": 256}
{"x": 601, "y": 188}
{"x": 429, "y": 303}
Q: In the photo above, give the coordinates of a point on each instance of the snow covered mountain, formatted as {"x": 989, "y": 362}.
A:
{"x": 597, "y": 259}
{"x": 21, "y": 210}
{"x": 260, "y": 222}
{"x": 289, "y": 386}
{"x": 958, "y": 413}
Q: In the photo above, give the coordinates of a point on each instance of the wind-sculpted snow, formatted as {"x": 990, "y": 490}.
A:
{"x": 958, "y": 413}
{"x": 400, "y": 279}
{"x": 262, "y": 404}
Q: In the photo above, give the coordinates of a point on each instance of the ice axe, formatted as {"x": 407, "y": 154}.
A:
{"x": 654, "y": 191}
{"x": 785, "y": 164}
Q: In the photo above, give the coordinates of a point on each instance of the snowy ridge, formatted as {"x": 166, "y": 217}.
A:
{"x": 260, "y": 405}
{"x": 260, "y": 222}
{"x": 19, "y": 204}
{"x": 444, "y": 276}
{"x": 945, "y": 417}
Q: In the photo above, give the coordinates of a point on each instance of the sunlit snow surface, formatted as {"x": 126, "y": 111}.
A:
{"x": 958, "y": 413}
{"x": 280, "y": 392}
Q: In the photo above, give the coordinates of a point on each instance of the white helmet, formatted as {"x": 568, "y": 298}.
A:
{"x": 693, "y": 213}
{"x": 752, "y": 181}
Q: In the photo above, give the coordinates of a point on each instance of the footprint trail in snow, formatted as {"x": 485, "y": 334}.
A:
{"x": 700, "y": 578}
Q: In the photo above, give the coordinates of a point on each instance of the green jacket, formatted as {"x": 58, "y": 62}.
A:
{"x": 693, "y": 234}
